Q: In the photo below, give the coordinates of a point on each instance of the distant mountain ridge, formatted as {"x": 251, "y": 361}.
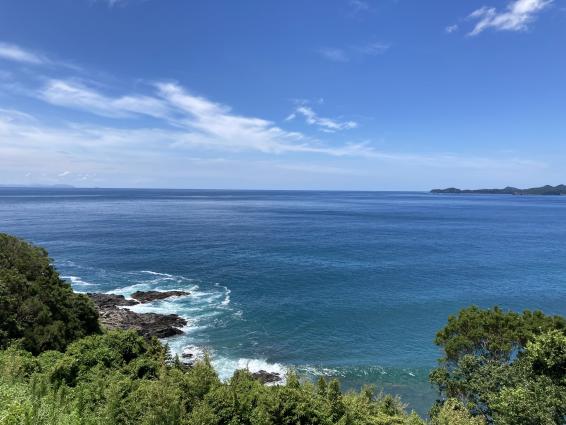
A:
{"x": 543, "y": 190}
{"x": 39, "y": 186}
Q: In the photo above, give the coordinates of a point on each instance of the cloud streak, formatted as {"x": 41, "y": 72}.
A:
{"x": 325, "y": 124}
{"x": 346, "y": 54}
{"x": 334, "y": 54}
{"x": 517, "y": 17}
{"x": 185, "y": 119}
{"x": 15, "y": 53}
{"x": 75, "y": 95}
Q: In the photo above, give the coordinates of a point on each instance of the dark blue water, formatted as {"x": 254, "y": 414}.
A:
{"x": 349, "y": 284}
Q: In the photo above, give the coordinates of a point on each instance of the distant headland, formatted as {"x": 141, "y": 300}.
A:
{"x": 544, "y": 190}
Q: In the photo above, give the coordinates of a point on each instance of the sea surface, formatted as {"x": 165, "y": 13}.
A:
{"x": 342, "y": 284}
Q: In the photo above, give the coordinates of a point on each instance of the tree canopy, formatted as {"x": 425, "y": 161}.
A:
{"x": 37, "y": 307}
{"x": 506, "y": 368}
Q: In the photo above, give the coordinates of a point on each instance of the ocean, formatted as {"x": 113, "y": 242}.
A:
{"x": 351, "y": 285}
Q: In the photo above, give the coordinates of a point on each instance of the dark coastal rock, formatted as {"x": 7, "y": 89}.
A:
{"x": 147, "y": 324}
{"x": 149, "y": 296}
{"x": 266, "y": 377}
{"x": 104, "y": 301}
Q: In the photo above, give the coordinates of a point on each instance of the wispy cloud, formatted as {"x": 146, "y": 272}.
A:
{"x": 149, "y": 157}
{"x": 325, "y": 124}
{"x": 185, "y": 119}
{"x": 359, "y": 6}
{"x": 111, "y": 3}
{"x": 180, "y": 118}
{"x": 334, "y": 54}
{"x": 452, "y": 28}
{"x": 345, "y": 54}
{"x": 15, "y": 53}
{"x": 517, "y": 17}
{"x": 372, "y": 49}
{"x": 30, "y": 138}
{"x": 73, "y": 94}
{"x": 113, "y": 140}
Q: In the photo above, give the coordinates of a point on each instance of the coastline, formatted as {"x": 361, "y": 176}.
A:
{"x": 115, "y": 313}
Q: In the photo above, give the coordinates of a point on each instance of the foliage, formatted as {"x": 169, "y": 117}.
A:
{"x": 504, "y": 367}
{"x": 37, "y": 308}
{"x": 454, "y": 412}
{"x": 492, "y": 334}
{"x": 121, "y": 378}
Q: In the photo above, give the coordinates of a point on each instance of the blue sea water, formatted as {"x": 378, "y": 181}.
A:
{"x": 346, "y": 284}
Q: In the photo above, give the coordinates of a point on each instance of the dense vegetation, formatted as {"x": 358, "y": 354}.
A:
{"x": 37, "y": 308}
{"x": 506, "y": 368}
{"x": 498, "y": 368}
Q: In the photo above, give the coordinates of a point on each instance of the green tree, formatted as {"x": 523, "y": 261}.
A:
{"x": 37, "y": 308}
{"x": 454, "y": 412}
{"x": 493, "y": 334}
{"x": 493, "y": 359}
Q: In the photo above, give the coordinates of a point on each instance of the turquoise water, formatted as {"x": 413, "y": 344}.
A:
{"x": 348, "y": 284}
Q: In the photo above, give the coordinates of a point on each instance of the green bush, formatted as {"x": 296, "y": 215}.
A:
{"x": 97, "y": 380}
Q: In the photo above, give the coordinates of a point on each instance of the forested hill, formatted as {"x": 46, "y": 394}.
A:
{"x": 543, "y": 190}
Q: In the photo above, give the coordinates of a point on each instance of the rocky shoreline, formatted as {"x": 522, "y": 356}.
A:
{"x": 114, "y": 315}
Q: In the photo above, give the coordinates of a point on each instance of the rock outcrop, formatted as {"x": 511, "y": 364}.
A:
{"x": 105, "y": 301}
{"x": 114, "y": 315}
{"x": 266, "y": 377}
{"x": 149, "y": 296}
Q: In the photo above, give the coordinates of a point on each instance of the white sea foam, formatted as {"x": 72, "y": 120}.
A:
{"x": 319, "y": 371}
{"x": 225, "y": 367}
{"x": 206, "y": 307}
{"x": 156, "y": 273}
{"x": 192, "y": 353}
{"x": 227, "y": 292}
{"x": 202, "y": 308}
{"x": 76, "y": 280}
{"x": 342, "y": 372}
{"x": 127, "y": 291}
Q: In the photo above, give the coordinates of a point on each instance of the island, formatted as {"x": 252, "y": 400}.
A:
{"x": 543, "y": 190}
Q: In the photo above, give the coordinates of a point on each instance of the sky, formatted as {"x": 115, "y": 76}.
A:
{"x": 294, "y": 94}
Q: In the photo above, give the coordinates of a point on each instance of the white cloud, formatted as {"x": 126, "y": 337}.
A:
{"x": 334, "y": 54}
{"x": 123, "y": 149}
{"x": 183, "y": 119}
{"x": 359, "y": 6}
{"x": 17, "y": 54}
{"x": 517, "y": 17}
{"x": 326, "y": 124}
{"x": 372, "y": 49}
{"x": 110, "y": 3}
{"x": 75, "y": 95}
{"x": 157, "y": 157}
{"x": 452, "y": 28}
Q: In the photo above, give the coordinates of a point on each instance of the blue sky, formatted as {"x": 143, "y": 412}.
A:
{"x": 333, "y": 94}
